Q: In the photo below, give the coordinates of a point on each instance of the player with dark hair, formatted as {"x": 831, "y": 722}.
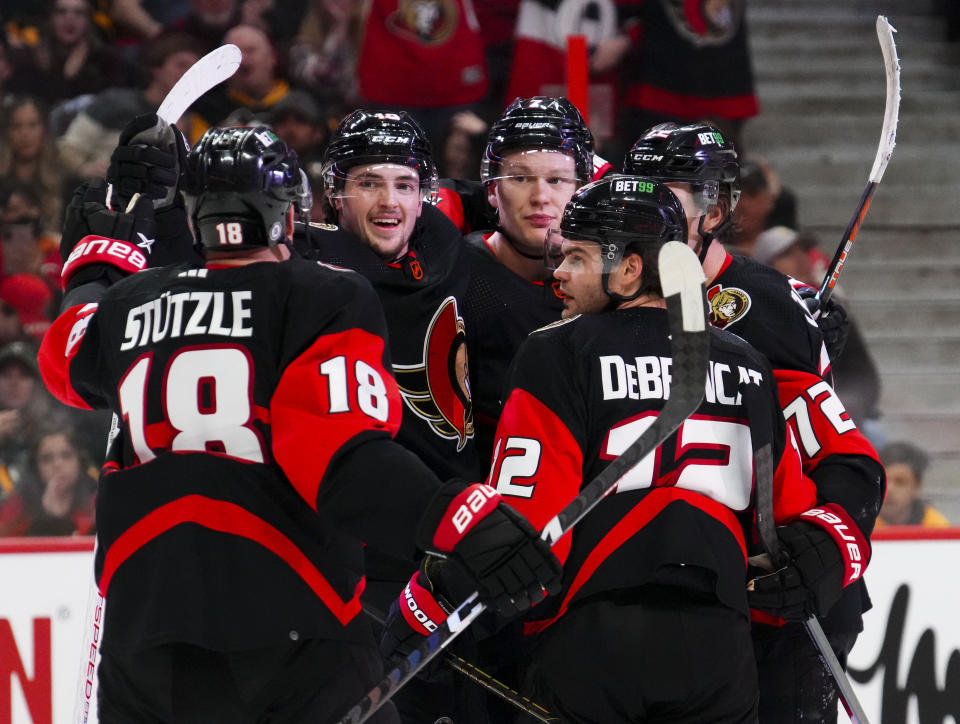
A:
{"x": 380, "y": 180}
{"x": 654, "y": 575}
{"x": 255, "y": 461}
{"x": 764, "y": 307}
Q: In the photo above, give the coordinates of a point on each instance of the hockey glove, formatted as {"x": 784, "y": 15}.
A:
{"x": 98, "y": 243}
{"x": 831, "y": 318}
{"x": 416, "y": 614}
{"x": 495, "y": 547}
{"x": 809, "y": 582}
{"x": 148, "y": 160}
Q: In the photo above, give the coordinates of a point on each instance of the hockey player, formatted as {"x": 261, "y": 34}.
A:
{"x": 257, "y": 407}
{"x": 760, "y": 305}
{"x": 654, "y": 575}
{"x": 380, "y": 179}
{"x": 537, "y": 154}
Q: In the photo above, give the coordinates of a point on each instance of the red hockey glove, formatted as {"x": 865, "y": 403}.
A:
{"x": 495, "y": 547}
{"x": 100, "y": 243}
{"x": 413, "y": 616}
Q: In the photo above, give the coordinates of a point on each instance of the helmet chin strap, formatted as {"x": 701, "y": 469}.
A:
{"x": 707, "y": 237}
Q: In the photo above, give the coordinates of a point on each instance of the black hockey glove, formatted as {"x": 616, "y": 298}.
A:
{"x": 810, "y": 581}
{"x": 499, "y": 553}
{"x": 88, "y": 227}
{"x": 831, "y": 318}
{"x": 148, "y": 160}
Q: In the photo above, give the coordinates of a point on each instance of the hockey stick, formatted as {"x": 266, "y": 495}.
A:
{"x": 211, "y": 70}
{"x": 682, "y": 280}
{"x": 766, "y": 527}
{"x": 888, "y": 139}
{"x": 484, "y": 679}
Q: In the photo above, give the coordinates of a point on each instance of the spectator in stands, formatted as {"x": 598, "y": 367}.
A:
{"x": 255, "y": 87}
{"x": 25, "y": 406}
{"x": 24, "y": 246}
{"x": 138, "y": 20}
{"x": 88, "y": 141}
{"x": 304, "y": 126}
{"x": 28, "y": 156}
{"x": 6, "y": 69}
{"x": 25, "y": 308}
{"x": 208, "y": 21}
{"x": 689, "y": 61}
{"x": 424, "y": 58}
{"x": 323, "y": 56}
{"x": 855, "y": 375}
{"x": 462, "y": 147}
{"x": 906, "y": 464}
{"x": 757, "y": 199}
{"x": 58, "y": 498}
{"x": 69, "y": 58}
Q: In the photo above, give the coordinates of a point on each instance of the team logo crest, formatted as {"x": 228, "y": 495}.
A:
{"x": 705, "y": 22}
{"x": 727, "y": 305}
{"x": 425, "y": 21}
{"x": 438, "y": 389}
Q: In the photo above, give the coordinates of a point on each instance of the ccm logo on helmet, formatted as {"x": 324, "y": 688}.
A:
{"x": 840, "y": 531}
{"x": 476, "y": 501}
{"x": 648, "y": 157}
{"x": 428, "y": 623}
{"x": 389, "y": 139}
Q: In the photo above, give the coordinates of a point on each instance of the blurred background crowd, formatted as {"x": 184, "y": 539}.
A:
{"x": 74, "y": 72}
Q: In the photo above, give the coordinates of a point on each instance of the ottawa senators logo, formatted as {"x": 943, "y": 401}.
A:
{"x": 727, "y": 305}
{"x": 438, "y": 389}
{"x": 426, "y": 21}
{"x": 705, "y": 22}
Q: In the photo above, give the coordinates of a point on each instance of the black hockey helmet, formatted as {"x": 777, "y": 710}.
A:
{"x": 239, "y": 183}
{"x": 540, "y": 122}
{"x": 623, "y": 214}
{"x": 365, "y": 137}
{"x": 695, "y": 153}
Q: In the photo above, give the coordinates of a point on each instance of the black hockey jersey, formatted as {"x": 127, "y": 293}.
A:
{"x": 257, "y": 410}
{"x": 422, "y": 297}
{"x": 501, "y": 309}
{"x": 581, "y": 391}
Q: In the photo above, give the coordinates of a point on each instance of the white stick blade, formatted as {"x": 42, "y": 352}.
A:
{"x": 891, "y": 114}
{"x": 211, "y": 70}
{"x": 681, "y": 273}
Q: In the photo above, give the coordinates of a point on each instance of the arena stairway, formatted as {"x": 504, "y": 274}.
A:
{"x": 821, "y": 86}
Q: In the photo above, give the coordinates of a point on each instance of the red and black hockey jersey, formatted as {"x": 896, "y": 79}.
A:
{"x": 581, "y": 391}
{"x": 257, "y": 408}
{"x": 759, "y": 304}
{"x": 501, "y": 309}
{"x": 422, "y": 297}
{"x": 689, "y": 64}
